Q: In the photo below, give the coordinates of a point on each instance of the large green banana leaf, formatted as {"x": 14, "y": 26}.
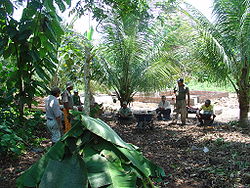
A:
{"x": 103, "y": 130}
{"x": 70, "y": 171}
{"x": 32, "y": 176}
{"x": 91, "y": 154}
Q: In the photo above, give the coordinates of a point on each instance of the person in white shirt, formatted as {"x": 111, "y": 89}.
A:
{"x": 163, "y": 109}
{"x": 54, "y": 115}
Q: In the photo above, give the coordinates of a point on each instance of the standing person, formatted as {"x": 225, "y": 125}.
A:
{"x": 77, "y": 100}
{"x": 54, "y": 115}
{"x": 67, "y": 101}
{"x": 163, "y": 109}
{"x": 180, "y": 106}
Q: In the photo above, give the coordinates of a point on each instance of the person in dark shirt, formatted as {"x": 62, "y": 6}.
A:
{"x": 180, "y": 96}
{"x": 77, "y": 100}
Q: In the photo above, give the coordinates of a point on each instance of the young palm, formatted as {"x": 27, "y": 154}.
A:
{"x": 130, "y": 57}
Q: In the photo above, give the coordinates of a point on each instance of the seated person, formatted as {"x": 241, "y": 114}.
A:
{"x": 77, "y": 101}
{"x": 206, "y": 113}
{"x": 163, "y": 109}
{"x": 96, "y": 110}
{"x": 124, "y": 112}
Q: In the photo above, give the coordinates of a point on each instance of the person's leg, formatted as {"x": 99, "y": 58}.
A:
{"x": 54, "y": 130}
{"x": 212, "y": 119}
{"x": 166, "y": 113}
{"x": 177, "y": 111}
{"x": 208, "y": 120}
{"x": 159, "y": 112}
{"x": 183, "y": 112}
{"x": 200, "y": 119}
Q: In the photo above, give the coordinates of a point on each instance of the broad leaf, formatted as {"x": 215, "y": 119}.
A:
{"x": 70, "y": 172}
{"x": 33, "y": 175}
{"x": 103, "y": 130}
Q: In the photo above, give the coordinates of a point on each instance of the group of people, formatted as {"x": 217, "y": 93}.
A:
{"x": 56, "y": 112}
{"x": 181, "y": 92}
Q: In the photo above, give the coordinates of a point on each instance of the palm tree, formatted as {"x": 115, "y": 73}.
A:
{"x": 223, "y": 48}
{"x": 130, "y": 57}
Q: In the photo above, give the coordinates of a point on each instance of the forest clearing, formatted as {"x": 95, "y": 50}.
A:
{"x": 179, "y": 150}
{"x": 124, "y": 93}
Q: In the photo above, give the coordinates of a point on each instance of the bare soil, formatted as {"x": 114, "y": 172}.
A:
{"x": 217, "y": 156}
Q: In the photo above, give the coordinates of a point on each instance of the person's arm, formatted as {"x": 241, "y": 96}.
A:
{"x": 198, "y": 112}
{"x": 160, "y": 105}
{"x": 167, "y": 105}
{"x": 130, "y": 112}
{"x": 58, "y": 114}
{"x": 65, "y": 100}
{"x": 212, "y": 110}
{"x": 59, "y": 122}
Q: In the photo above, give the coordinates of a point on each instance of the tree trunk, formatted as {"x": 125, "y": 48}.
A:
{"x": 244, "y": 93}
{"x": 20, "y": 83}
{"x": 87, "y": 81}
{"x": 243, "y": 98}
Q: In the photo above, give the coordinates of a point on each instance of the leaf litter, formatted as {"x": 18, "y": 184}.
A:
{"x": 192, "y": 156}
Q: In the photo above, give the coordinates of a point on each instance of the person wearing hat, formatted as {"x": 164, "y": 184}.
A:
{"x": 54, "y": 115}
{"x": 206, "y": 113}
{"x": 180, "y": 96}
{"x": 77, "y": 101}
{"x": 67, "y": 101}
{"x": 125, "y": 112}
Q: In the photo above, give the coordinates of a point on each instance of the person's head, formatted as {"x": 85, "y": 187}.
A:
{"x": 69, "y": 86}
{"x": 163, "y": 98}
{"x": 55, "y": 91}
{"x": 180, "y": 81}
{"x": 207, "y": 102}
{"x": 124, "y": 104}
{"x": 75, "y": 92}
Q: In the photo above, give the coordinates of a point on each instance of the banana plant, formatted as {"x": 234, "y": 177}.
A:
{"x": 91, "y": 154}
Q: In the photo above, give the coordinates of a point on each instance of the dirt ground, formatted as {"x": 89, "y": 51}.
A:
{"x": 192, "y": 157}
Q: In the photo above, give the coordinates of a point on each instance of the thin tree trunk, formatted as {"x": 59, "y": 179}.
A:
{"x": 87, "y": 81}
{"x": 20, "y": 85}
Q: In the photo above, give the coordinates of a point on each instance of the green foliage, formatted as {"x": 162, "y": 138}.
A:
{"x": 10, "y": 142}
{"x": 98, "y": 155}
{"x": 30, "y": 45}
{"x": 72, "y": 58}
{"x": 95, "y": 110}
{"x": 102, "y": 9}
{"x": 196, "y": 84}
{"x": 15, "y": 135}
{"x": 223, "y": 48}
{"x": 15, "y": 138}
{"x": 127, "y": 57}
